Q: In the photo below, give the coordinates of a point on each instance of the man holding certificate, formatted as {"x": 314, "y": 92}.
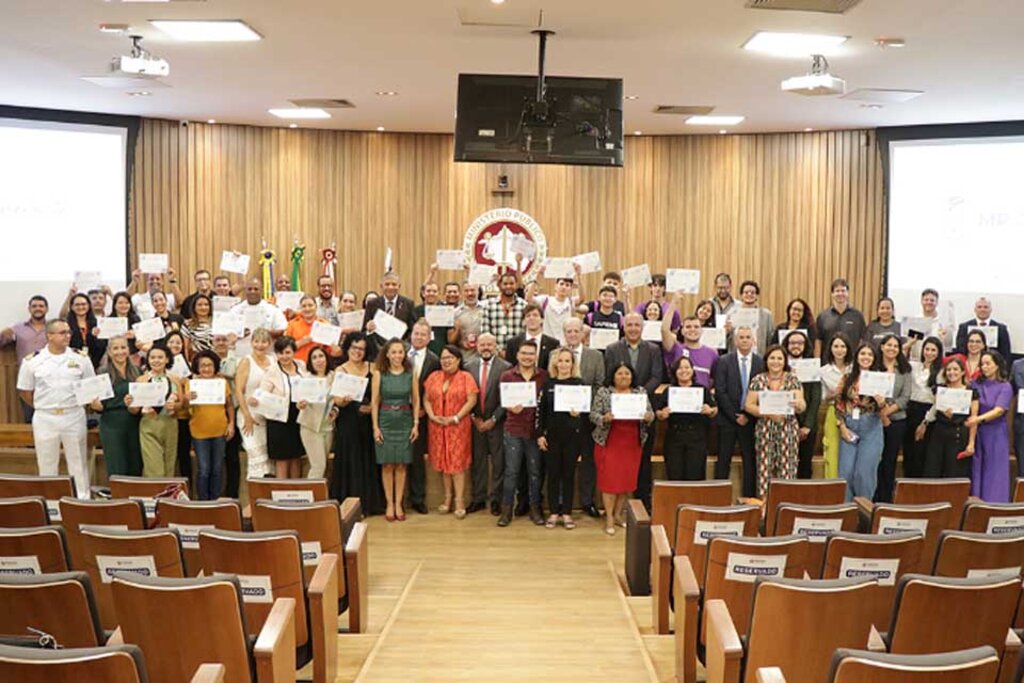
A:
{"x": 775, "y": 397}
{"x": 520, "y": 403}
{"x": 686, "y": 342}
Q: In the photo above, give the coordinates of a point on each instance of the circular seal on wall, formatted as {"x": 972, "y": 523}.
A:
{"x": 496, "y": 236}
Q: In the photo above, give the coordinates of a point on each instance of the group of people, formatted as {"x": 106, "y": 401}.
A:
{"x": 603, "y": 374}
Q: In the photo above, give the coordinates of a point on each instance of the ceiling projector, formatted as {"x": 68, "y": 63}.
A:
{"x": 140, "y": 62}
{"x": 818, "y": 82}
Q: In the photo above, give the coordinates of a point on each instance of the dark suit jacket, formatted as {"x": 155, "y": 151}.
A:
{"x": 1004, "y": 337}
{"x": 403, "y": 311}
{"x": 650, "y": 371}
{"x": 430, "y": 363}
{"x": 491, "y": 405}
{"x": 547, "y": 345}
{"x": 592, "y": 367}
{"x": 728, "y": 387}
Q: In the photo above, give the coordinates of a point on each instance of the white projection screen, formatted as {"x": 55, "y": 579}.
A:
{"x": 62, "y": 209}
{"x": 956, "y": 224}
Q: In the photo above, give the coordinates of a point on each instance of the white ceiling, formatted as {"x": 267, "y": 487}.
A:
{"x": 966, "y": 55}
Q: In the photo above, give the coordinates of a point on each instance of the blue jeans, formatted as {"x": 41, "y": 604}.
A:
{"x": 210, "y": 458}
{"x": 515, "y": 447}
{"x": 858, "y": 462}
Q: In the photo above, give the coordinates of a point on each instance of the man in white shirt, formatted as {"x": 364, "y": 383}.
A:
{"x": 155, "y": 283}
{"x": 558, "y": 307}
{"x": 468, "y": 318}
{"x": 259, "y": 313}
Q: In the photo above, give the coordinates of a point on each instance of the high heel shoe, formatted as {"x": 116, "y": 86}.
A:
{"x": 389, "y": 517}
{"x": 460, "y": 509}
{"x": 445, "y": 507}
{"x": 400, "y": 516}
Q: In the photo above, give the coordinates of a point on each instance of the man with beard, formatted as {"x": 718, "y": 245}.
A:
{"x": 28, "y": 337}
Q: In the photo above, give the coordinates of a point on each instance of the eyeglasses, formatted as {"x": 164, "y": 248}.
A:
{"x": 61, "y": 332}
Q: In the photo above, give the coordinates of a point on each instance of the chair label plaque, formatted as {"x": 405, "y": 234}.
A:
{"x": 747, "y": 568}
{"x": 256, "y": 588}
{"x": 994, "y": 573}
{"x": 704, "y": 530}
{"x": 138, "y": 565}
{"x": 286, "y": 496}
{"x": 20, "y": 565}
{"x": 1005, "y": 525}
{"x": 897, "y": 525}
{"x": 816, "y": 530}
{"x": 310, "y": 553}
{"x": 53, "y": 509}
{"x": 148, "y": 503}
{"x": 189, "y": 534}
{"x": 884, "y": 570}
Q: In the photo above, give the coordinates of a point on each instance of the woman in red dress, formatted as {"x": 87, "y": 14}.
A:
{"x": 618, "y": 443}
{"x": 450, "y": 395}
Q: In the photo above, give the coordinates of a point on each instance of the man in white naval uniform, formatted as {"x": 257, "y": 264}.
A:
{"x": 46, "y": 382}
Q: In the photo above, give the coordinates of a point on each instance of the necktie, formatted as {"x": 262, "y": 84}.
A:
{"x": 744, "y": 380}
{"x": 390, "y": 307}
{"x": 412, "y": 358}
{"x": 483, "y": 381}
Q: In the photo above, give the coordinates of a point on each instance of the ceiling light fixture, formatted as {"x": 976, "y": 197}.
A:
{"x": 794, "y": 44}
{"x": 387, "y": 93}
{"x": 222, "y": 31}
{"x": 817, "y": 82}
{"x": 380, "y": 129}
{"x": 632, "y": 97}
{"x": 722, "y": 132}
{"x": 300, "y": 113}
{"x": 714, "y": 120}
{"x": 808, "y": 130}
{"x": 638, "y": 132}
{"x": 138, "y": 93}
{"x": 114, "y": 28}
{"x": 886, "y": 43}
{"x": 211, "y": 121}
{"x": 293, "y": 125}
{"x": 497, "y": 2}
{"x": 871, "y": 106}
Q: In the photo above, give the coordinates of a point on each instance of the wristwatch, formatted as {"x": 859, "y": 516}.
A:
{"x": 455, "y": 418}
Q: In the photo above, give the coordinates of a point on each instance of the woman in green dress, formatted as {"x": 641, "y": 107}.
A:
{"x": 396, "y": 399}
{"x": 119, "y": 424}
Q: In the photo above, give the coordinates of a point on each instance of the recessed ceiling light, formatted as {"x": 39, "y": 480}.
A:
{"x": 497, "y": 2}
{"x": 293, "y": 125}
{"x": 380, "y": 129}
{"x": 224, "y": 31}
{"x": 890, "y": 42}
{"x": 300, "y": 113}
{"x": 632, "y": 97}
{"x": 113, "y": 28}
{"x": 871, "y": 106}
{"x": 211, "y": 121}
{"x": 722, "y": 132}
{"x": 386, "y": 93}
{"x": 638, "y": 132}
{"x": 794, "y": 44}
{"x": 714, "y": 120}
{"x": 808, "y": 130}
{"x": 138, "y": 93}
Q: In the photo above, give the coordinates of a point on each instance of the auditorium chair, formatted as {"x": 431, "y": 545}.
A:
{"x": 61, "y": 605}
{"x": 1018, "y": 490}
{"x": 107, "y": 552}
{"x": 285, "y": 490}
{"x": 970, "y": 554}
{"x": 276, "y": 556}
{"x": 941, "y": 614}
{"x": 25, "y": 511}
{"x": 189, "y": 517}
{"x": 817, "y": 523}
{"x": 883, "y": 558}
{"x": 993, "y": 518}
{"x": 120, "y": 514}
{"x": 733, "y": 563}
{"x": 909, "y": 491}
{"x": 115, "y": 664}
{"x": 145, "y": 489}
{"x": 800, "y": 492}
{"x": 44, "y": 549}
{"x": 976, "y": 665}
{"x": 51, "y": 488}
{"x": 689, "y": 535}
{"x": 928, "y": 519}
{"x": 183, "y": 623}
{"x": 794, "y": 624}
{"x": 666, "y": 496}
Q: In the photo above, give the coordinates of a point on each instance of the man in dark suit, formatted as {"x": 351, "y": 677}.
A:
{"x": 732, "y": 376}
{"x": 646, "y": 361}
{"x": 390, "y": 301}
{"x": 983, "y": 319}
{"x": 591, "y": 365}
{"x": 424, "y": 361}
{"x": 488, "y": 419}
{"x": 533, "y": 324}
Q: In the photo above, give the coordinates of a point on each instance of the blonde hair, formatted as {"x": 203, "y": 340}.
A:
{"x": 262, "y": 334}
{"x": 553, "y": 362}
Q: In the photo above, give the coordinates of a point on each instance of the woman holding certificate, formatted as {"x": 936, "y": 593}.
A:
{"x": 622, "y": 413}
{"x": 355, "y": 472}
{"x": 561, "y": 433}
{"x": 119, "y": 424}
{"x": 976, "y": 345}
{"x": 775, "y": 397}
{"x": 831, "y": 375}
{"x": 396, "y": 398}
{"x": 198, "y": 330}
{"x": 686, "y": 436}
{"x": 893, "y": 414}
{"x": 316, "y": 422}
{"x": 798, "y": 317}
{"x": 158, "y": 428}
{"x": 951, "y": 443}
{"x": 300, "y": 328}
{"x": 248, "y": 377}
{"x": 990, "y": 479}
{"x": 82, "y": 322}
{"x": 122, "y": 308}
{"x": 449, "y": 398}
{"x": 922, "y": 397}
{"x": 284, "y": 442}
{"x": 210, "y": 423}
{"x": 860, "y": 428}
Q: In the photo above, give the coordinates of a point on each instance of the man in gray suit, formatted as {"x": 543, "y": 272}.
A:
{"x": 648, "y": 366}
{"x": 488, "y": 418}
{"x": 591, "y": 365}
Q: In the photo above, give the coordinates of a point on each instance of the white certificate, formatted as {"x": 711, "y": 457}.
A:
{"x": 309, "y": 389}
{"x": 775, "y": 402}
{"x": 721, "y": 320}
{"x": 682, "y": 280}
{"x": 745, "y": 317}
{"x": 88, "y": 279}
{"x": 288, "y": 301}
{"x": 991, "y": 333}
{"x": 652, "y": 331}
{"x": 518, "y": 394}
{"x": 388, "y": 326}
{"x": 440, "y": 316}
{"x": 252, "y": 318}
{"x": 480, "y": 274}
{"x": 389, "y": 260}
{"x": 602, "y": 337}
{"x": 1020, "y": 400}
{"x": 93, "y": 388}
{"x": 873, "y": 383}
{"x": 713, "y": 337}
{"x": 449, "y": 259}
{"x": 271, "y": 406}
{"x": 685, "y": 399}
{"x": 144, "y": 309}
{"x": 353, "y": 320}
{"x": 559, "y": 268}
{"x": 224, "y": 303}
{"x": 209, "y": 392}
{"x": 153, "y": 263}
{"x": 806, "y": 369}
{"x": 112, "y": 327}
{"x": 629, "y": 406}
{"x": 569, "y": 398}
{"x": 784, "y": 332}
{"x": 231, "y": 263}
{"x": 228, "y": 322}
{"x": 352, "y": 386}
{"x": 325, "y": 333}
{"x": 149, "y": 330}
{"x": 957, "y": 400}
{"x": 637, "y": 276}
{"x": 922, "y": 326}
{"x": 521, "y": 244}
{"x": 147, "y": 394}
{"x": 589, "y": 262}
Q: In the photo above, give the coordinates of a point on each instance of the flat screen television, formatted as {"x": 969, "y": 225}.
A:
{"x": 500, "y": 120}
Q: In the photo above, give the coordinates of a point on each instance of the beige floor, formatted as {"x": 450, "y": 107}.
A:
{"x": 467, "y": 601}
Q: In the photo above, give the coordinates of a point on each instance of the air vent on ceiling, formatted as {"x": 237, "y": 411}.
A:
{"x": 830, "y": 6}
{"x": 125, "y": 82}
{"x": 683, "y": 109}
{"x": 323, "y": 103}
{"x": 500, "y": 16}
{"x": 882, "y": 95}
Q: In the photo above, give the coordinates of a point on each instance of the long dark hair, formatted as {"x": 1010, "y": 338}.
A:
{"x": 610, "y": 375}
{"x": 785, "y": 357}
{"x": 936, "y": 367}
{"x": 132, "y": 316}
{"x": 850, "y": 355}
{"x": 95, "y": 347}
{"x": 806, "y": 320}
{"x": 854, "y": 377}
{"x": 673, "y": 379}
{"x": 902, "y": 364}
{"x": 1001, "y": 373}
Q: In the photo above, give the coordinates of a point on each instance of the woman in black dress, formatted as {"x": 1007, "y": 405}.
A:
{"x": 284, "y": 442}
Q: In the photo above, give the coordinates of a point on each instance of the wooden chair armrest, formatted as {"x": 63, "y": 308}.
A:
{"x": 1011, "y": 655}
{"x": 357, "y": 578}
{"x": 724, "y": 653}
{"x": 275, "y": 645}
{"x": 209, "y": 673}
{"x": 865, "y": 508}
{"x": 116, "y": 638}
{"x": 639, "y": 511}
{"x": 770, "y": 674}
{"x": 686, "y": 593}
{"x": 875, "y": 642}
{"x": 661, "y": 577}
{"x": 323, "y": 608}
{"x": 974, "y": 499}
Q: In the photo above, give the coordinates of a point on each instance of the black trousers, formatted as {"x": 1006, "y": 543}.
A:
{"x": 728, "y": 436}
{"x": 232, "y": 465}
{"x": 686, "y": 453}
{"x": 643, "y": 480}
{"x": 560, "y": 465}
{"x": 945, "y": 442}
{"x": 805, "y": 456}
{"x": 588, "y": 471}
{"x": 893, "y": 439}
{"x": 418, "y": 468}
{"x": 488, "y": 448}
{"x": 185, "y": 451}
{"x": 914, "y": 450}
